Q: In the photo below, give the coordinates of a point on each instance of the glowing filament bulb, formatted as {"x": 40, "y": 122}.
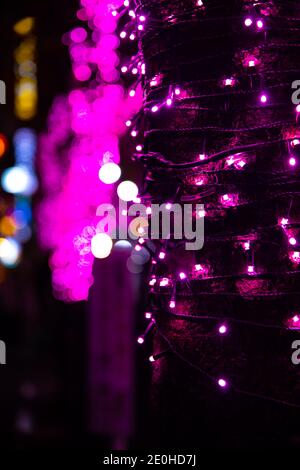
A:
{"x": 222, "y": 383}
{"x": 128, "y": 123}
{"x": 248, "y": 22}
{"x": 292, "y": 241}
{"x": 169, "y": 102}
{"x": 295, "y": 256}
{"x": 168, "y": 206}
{"x": 140, "y": 340}
{"x": 154, "y": 109}
{"x": 201, "y": 156}
{"x": 123, "y": 34}
{"x": 142, "y": 18}
{"x": 199, "y": 3}
{"x": 295, "y": 142}
{"x": 251, "y": 63}
{"x": 292, "y": 161}
{"x": 134, "y": 133}
{"x": 298, "y": 108}
{"x": 177, "y": 91}
{"x": 139, "y": 148}
{"x": 229, "y": 81}
{"x": 152, "y": 282}
{"x": 259, "y": 24}
{"x": 126, "y": 3}
{"x": 182, "y": 276}
{"x": 164, "y": 282}
{"x": 172, "y": 304}
{"x": 223, "y": 329}
{"x": 263, "y": 98}
{"x": 162, "y": 255}
{"x": 151, "y": 359}
{"x": 124, "y": 69}
{"x": 246, "y": 246}
{"x": 148, "y": 315}
{"x": 132, "y": 93}
{"x": 140, "y": 27}
{"x": 283, "y": 221}
{"x": 251, "y": 269}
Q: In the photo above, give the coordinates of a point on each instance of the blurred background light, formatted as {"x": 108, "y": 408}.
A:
{"x": 10, "y": 252}
{"x": 19, "y": 180}
{"x": 101, "y": 245}
{"x": 127, "y": 191}
{"x": 109, "y": 173}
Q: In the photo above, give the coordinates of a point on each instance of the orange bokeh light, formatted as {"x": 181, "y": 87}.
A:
{"x": 3, "y": 145}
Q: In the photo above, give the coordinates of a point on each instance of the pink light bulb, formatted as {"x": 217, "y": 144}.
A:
{"x": 172, "y": 304}
{"x": 140, "y": 340}
{"x": 295, "y": 256}
{"x": 250, "y": 269}
{"x": 283, "y": 221}
{"x": 182, "y": 276}
{"x": 263, "y": 98}
{"x": 292, "y": 161}
{"x": 259, "y": 24}
{"x": 222, "y": 329}
{"x": 222, "y": 383}
{"x": 246, "y": 246}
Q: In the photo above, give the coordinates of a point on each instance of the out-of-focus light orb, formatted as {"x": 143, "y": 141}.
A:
{"x": 10, "y": 252}
{"x": 19, "y": 180}
{"x": 123, "y": 245}
{"x": 109, "y": 173}
{"x": 101, "y": 245}
{"x": 78, "y": 35}
{"x": 222, "y": 383}
{"x": 24, "y": 26}
{"x": 3, "y": 145}
{"x": 82, "y": 72}
{"x": 8, "y": 226}
{"x": 127, "y": 191}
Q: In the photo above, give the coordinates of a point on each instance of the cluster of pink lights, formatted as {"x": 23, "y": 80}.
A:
{"x": 92, "y": 117}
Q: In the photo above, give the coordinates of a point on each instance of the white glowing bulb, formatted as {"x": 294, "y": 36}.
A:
{"x": 19, "y": 180}
{"x": 131, "y": 13}
{"x": 134, "y": 133}
{"x": 132, "y": 93}
{"x": 132, "y": 37}
{"x": 101, "y": 245}
{"x": 124, "y": 69}
{"x": 140, "y": 340}
{"x": 260, "y": 24}
{"x": 134, "y": 71}
{"x": 10, "y": 252}
{"x": 123, "y": 34}
{"x": 128, "y": 123}
{"x": 201, "y": 156}
{"x": 172, "y": 304}
{"x": 139, "y": 148}
{"x": 177, "y": 91}
{"x": 222, "y": 329}
{"x": 127, "y": 191}
{"x": 292, "y": 161}
{"x": 154, "y": 109}
{"x": 251, "y": 269}
{"x": 142, "y": 18}
{"x": 248, "y": 22}
{"x": 222, "y": 383}
{"x": 292, "y": 241}
{"x": 114, "y": 13}
{"x": 140, "y": 27}
{"x": 126, "y": 3}
{"x": 148, "y": 315}
{"x": 109, "y": 173}
{"x": 169, "y": 102}
{"x": 151, "y": 359}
